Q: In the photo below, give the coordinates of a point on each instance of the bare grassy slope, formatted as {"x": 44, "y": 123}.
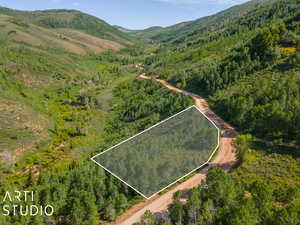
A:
{"x": 71, "y": 19}
{"x": 71, "y": 40}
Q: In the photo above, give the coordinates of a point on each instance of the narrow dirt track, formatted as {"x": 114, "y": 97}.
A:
{"x": 225, "y": 159}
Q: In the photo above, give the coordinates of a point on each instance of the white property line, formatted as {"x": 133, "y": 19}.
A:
{"x": 194, "y": 106}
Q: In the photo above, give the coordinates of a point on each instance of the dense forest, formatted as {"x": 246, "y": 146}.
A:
{"x": 222, "y": 200}
{"x": 248, "y": 69}
{"x": 251, "y": 75}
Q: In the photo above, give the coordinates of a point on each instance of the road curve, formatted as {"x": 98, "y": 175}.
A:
{"x": 225, "y": 158}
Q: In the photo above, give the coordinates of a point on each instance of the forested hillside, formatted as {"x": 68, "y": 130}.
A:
{"x": 190, "y": 31}
{"x": 225, "y": 201}
{"x": 246, "y": 64}
{"x": 251, "y": 75}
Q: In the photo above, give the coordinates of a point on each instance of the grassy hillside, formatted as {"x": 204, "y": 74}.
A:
{"x": 44, "y": 73}
{"x": 74, "y": 41}
{"x": 39, "y": 85}
{"x": 71, "y": 19}
{"x": 54, "y": 104}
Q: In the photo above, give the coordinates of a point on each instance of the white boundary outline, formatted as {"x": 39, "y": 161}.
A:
{"x": 193, "y": 106}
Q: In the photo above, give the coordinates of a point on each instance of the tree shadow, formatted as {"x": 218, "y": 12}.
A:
{"x": 271, "y": 148}
{"x": 162, "y": 216}
{"x": 283, "y": 67}
{"x": 225, "y": 166}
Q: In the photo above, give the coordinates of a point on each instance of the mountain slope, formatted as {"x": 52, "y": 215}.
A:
{"x": 248, "y": 68}
{"x": 190, "y": 30}
{"x": 39, "y": 63}
{"x": 263, "y": 41}
{"x": 71, "y": 19}
{"x": 71, "y": 40}
{"x": 147, "y": 33}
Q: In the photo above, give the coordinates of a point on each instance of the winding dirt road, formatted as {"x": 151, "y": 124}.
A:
{"x": 225, "y": 159}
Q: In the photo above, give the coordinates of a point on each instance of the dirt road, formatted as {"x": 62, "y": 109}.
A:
{"x": 225, "y": 159}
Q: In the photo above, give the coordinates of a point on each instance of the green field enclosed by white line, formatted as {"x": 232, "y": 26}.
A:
{"x": 164, "y": 153}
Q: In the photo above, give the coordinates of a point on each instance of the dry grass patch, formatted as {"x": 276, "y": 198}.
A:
{"x": 94, "y": 43}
